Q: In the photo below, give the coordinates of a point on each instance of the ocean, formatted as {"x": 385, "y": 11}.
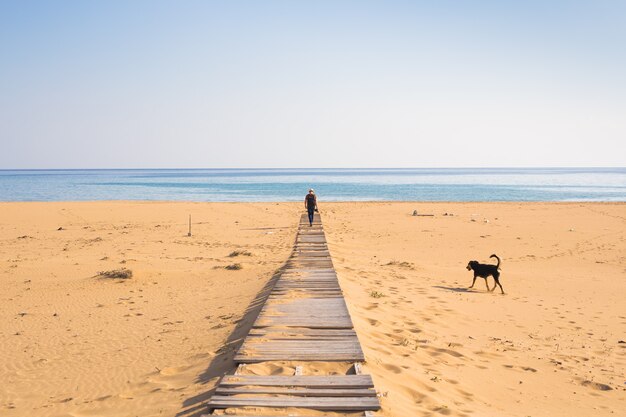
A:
{"x": 441, "y": 184}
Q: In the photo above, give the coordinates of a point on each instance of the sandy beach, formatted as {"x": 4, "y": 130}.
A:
{"x": 73, "y": 343}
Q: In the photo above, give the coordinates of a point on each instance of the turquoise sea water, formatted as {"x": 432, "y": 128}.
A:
{"x": 445, "y": 184}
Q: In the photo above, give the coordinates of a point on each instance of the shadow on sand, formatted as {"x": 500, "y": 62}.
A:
{"x": 456, "y": 289}
{"x": 223, "y": 362}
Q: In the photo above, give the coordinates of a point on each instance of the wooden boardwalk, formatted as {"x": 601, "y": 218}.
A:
{"x": 305, "y": 318}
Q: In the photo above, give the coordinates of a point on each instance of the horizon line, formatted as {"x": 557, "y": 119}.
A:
{"x": 310, "y": 168}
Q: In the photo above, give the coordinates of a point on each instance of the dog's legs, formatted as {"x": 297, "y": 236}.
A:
{"x": 472, "y": 286}
{"x": 486, "y": 284}
{"x": 496, "y": 277}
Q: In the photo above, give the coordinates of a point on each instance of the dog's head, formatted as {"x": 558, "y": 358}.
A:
{"x": 471, "y": 264}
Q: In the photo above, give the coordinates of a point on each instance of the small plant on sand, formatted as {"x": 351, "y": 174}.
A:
{"x": 122, "y": 273}
{"x": 376, "y": 294}
{"x": 239, "y": 253}
{"x": 233, "y": 267}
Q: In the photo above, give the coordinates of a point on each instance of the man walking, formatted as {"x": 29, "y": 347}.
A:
{"x": 310, "y": 203}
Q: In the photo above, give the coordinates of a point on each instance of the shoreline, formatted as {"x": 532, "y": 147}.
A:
{"x": 323, "y": 202}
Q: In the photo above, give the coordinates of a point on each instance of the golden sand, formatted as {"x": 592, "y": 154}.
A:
{"x": 75, "y": 344}
{"x": 549, "y": 347}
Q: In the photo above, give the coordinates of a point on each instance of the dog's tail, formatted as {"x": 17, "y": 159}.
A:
{"x": 496, "y": 256}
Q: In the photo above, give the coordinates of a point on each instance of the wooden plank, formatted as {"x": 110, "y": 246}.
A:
{"x": 316, "y": 403}
{"x": 256, "y": 357}
{"x": 307, "y": 317}
{"x": 309, "y": 274}
{"x": 299, "y": 357}
{"x": 318, "y": 304}
{"x": 313, "y": 324}
{"x": 268, "y": 415}
{"x": 290, "y": 314}
{"x": 307, "y": 291}
{"x": 270, "y": 351}
{"x": 298, "y": 275}
{"x": 309, "y": 381}
{"x": 309, "y": 279}
{"x": 299, "y": 392}
{"x": 337, "y": 344}
{"x": 262, "y": 337}
{"x": 304, "y": 293}
{"x": 303, "y": 308}
{"x": 269, "y": 332}
{"x": 304, "y": 282}
{"x": 281, "y": 293}
{"x": 302, "y": 330}
{"x": 313, "y": 282}
{"x": 309, "y": 352}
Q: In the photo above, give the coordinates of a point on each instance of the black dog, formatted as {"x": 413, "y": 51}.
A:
{"x": 484, "y": 271}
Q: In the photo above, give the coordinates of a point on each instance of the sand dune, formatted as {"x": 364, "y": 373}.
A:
{"x": 73, "y": 344}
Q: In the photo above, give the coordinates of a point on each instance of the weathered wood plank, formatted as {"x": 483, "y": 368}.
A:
{"x": 310, "y": 381}
{"x": 316, "y": 403}
{"x": 327, "y": 357}
{"x": 269, "y": 332}
{"x": 299, "y": 392}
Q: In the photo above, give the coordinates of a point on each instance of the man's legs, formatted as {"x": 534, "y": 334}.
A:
{"x": 311, "y": 211}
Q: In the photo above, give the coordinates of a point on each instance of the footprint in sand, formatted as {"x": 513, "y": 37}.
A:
{"x": 450, "y": 352}
{"x": 596, "y": 385}
{"x": 442, "y": 410}
{"x": 373, "y": 322}
{"x": 467, "y": 395}
{"x": 103, "y": 398}
{"x": 172, "y": 370}
{"x": 393, "y": 368}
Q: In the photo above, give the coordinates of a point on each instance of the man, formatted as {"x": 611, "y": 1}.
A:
{"x": 310, "y": 203}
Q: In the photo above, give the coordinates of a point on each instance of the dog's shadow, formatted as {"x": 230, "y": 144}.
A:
{"x": 456, "y": 289}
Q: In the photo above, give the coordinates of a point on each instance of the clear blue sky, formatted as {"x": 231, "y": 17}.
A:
{"x": 134, "y": 84}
